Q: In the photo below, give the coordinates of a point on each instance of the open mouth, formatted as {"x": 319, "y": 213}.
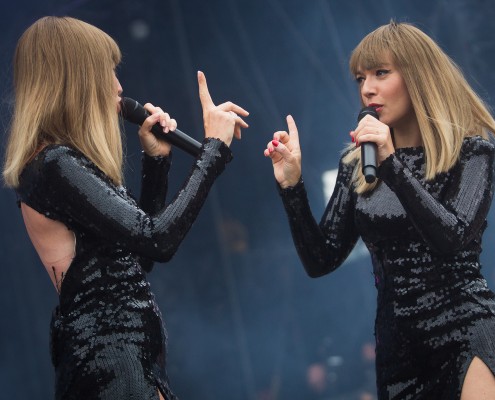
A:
{"x": 377, "y": 107}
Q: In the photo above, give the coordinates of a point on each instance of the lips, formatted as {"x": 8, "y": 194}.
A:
{"x": 376, "y": 106}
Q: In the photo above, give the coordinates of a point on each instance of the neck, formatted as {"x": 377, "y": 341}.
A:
{"x": 408, "y": 135}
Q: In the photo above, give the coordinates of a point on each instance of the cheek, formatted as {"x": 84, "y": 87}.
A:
{"x": 403, "y": 92}
{"x": 405, "y": 102}
{"x": 401, "y": 97}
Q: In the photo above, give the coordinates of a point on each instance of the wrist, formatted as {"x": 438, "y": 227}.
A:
{"x": 156, "y": 153}
{"x": 290, "y": 183}
{"x": 295, "y": 188}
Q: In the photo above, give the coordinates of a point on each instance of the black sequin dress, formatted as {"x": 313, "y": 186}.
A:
{"x": 435, "y": 312}
{"x": 107, "y": 336}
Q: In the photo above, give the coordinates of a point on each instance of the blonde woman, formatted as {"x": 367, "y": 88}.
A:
{"x": 422, "y": 219}
{"x": 64, "y": 159}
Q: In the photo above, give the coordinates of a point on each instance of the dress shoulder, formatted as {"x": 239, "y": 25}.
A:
{"x": 476, "y": 145}
{"x": 63, "y": 156}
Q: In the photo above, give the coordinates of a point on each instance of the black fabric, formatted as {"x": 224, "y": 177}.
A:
{"x": 435, "y": 312}
{"x": 107, "y": 335}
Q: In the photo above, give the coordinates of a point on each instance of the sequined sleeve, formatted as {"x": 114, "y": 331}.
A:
{"x": 85, "y": 197}
{"x": 154, "y": 186}
{"x": 449, "y": 223}
{"x": 322, "y": 247}
{"x": 154, "y": 182}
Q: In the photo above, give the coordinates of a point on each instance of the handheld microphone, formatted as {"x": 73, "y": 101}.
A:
{"x": 134, "y": 112}
{"x": 368, "y": 149}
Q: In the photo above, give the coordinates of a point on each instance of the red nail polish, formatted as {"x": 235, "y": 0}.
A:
{"x": 352, "y": 139}
{"x": 275, "y": 143}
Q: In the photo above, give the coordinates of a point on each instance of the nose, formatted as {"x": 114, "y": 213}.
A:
{"x": 368, "y": 88}
{"x": 118, "y": 86}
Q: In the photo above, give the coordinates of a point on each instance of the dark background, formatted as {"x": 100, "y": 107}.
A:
{"x": 244, "y": 320}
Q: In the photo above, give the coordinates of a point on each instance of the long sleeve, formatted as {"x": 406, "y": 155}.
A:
{"x": 322, "y": 247}
{"x": 154, "y": 182}
{"x": 80, "y": 195}
{"x": 449, "y": 223}
{"x": 154, "y": 186}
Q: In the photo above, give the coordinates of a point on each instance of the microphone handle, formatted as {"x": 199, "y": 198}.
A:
{"x": 368, "y": 161}
{"x": 368, "y": 150}
{"x": 178, "y": 138}
{"x": 134, "y": 112}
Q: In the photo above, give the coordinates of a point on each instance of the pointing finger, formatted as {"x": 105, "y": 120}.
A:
{"x": 292, "y": 128}
{"x": 204, "y": 94}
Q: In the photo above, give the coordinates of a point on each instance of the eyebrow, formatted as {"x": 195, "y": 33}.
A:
{"x": 378, "y": 66}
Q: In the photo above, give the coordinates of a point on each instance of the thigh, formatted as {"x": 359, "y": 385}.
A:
{"x": 479, "y": 383}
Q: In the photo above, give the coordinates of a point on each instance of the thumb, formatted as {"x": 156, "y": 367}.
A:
{"x": 283, "y": 151}
{"x": 204, "y": 94}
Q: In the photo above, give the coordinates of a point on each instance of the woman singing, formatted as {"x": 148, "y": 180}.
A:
{"x": 422, "y": 219}
{"x": 64, "y": 159}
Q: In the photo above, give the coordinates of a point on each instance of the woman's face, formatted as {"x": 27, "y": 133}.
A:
{"x": 118, "y": 91}
{"x": 384, "y": 88}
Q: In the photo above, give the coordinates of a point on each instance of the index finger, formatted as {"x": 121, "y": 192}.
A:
{"x": 291, "y": 124}
{"x": 204, "y": 94}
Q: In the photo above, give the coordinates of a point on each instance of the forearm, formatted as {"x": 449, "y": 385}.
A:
{"x": 177, "y": 218}
{"x": 154, "y": 182}
{"x": 321, "y": 247}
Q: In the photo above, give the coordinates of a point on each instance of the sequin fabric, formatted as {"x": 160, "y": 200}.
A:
{"x": 434, "y": 309}
{"x": 107, "y": 335}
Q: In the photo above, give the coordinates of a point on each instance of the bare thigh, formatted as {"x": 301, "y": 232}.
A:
{"x": 479, "y": 383}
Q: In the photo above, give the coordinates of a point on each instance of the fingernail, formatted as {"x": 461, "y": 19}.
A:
{"x": 270, "y": 150}
{"x": 275, "y": 143}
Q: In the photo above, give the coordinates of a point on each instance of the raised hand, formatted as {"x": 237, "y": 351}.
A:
{"x": 222, "y": 121}
{"x": 285, "y": 152}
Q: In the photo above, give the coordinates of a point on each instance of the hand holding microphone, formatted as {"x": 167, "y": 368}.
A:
{"x": 368, "y": 149}
{"x": 375, "y": 140}
{"x": 134, "y": 112}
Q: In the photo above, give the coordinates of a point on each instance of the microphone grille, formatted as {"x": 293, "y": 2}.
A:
{"x": 367, "y": 111}
{"x": 132, "y": 111}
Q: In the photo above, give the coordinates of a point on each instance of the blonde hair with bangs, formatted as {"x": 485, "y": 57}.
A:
{"x": 64, "y": 85}
{"x": 446, "y": 107}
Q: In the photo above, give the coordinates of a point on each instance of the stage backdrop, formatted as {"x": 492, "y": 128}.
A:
{"x": 244, "y": 321}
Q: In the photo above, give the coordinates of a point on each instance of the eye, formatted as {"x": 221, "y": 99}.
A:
{"x": 359, "y": 79}
{"x": 382, "y": 72}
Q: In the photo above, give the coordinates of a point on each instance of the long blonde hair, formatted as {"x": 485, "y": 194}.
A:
{"x": 446, "y": 107}
{"x": 64, "y": 86}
